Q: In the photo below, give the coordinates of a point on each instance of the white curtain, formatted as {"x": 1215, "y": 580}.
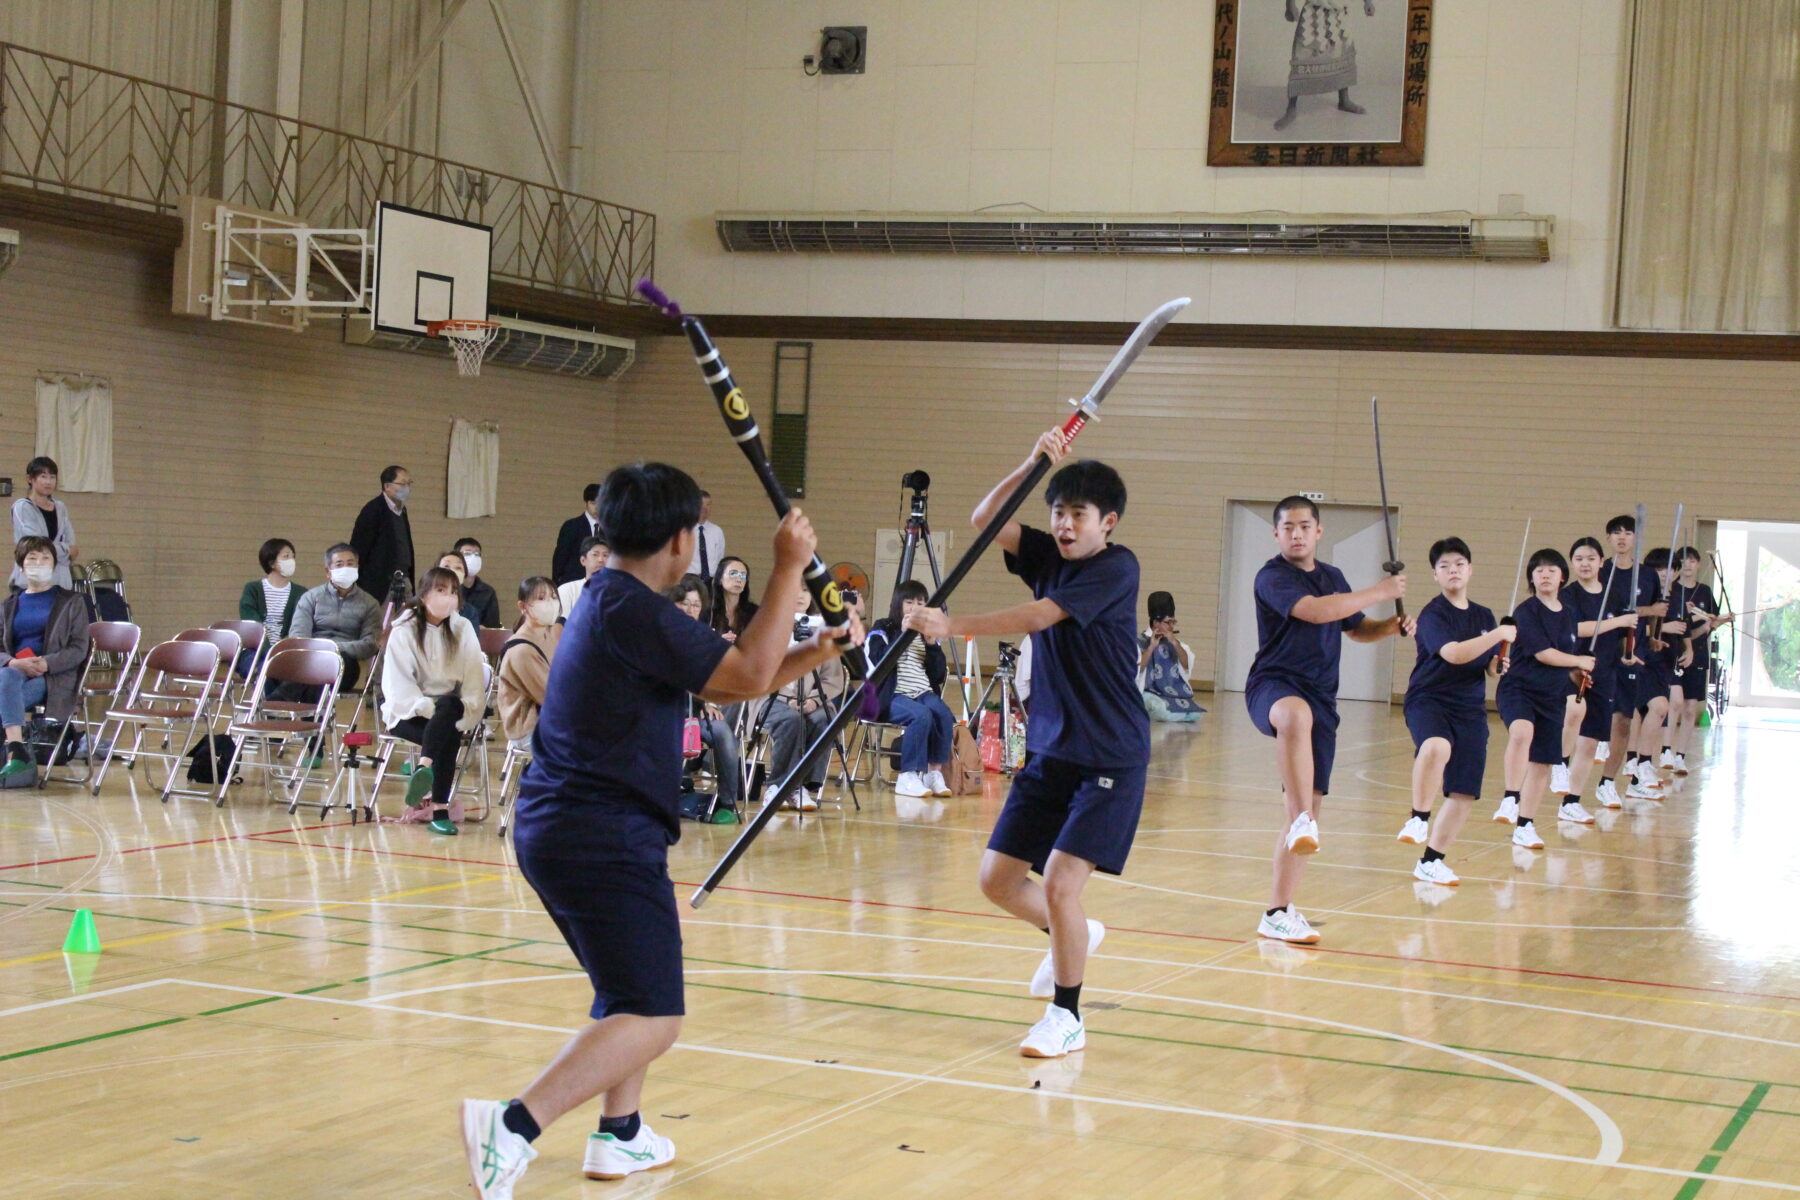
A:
{"x": 474, "y": 482}
{"x": 75, "y": 427}
{"x": 1711, "y": 231}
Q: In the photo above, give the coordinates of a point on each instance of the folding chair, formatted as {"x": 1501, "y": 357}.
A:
{"x": 873, "y": 751}
{"x": 171, "y": 694}
{"x": 112, "y": 653}
{"x": 271, "y": 730}
{"x": 255, "y": 641}
{"x": 230, "y": 645}
{"x": 512, "y": 766}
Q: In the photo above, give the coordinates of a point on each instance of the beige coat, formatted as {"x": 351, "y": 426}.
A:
{"x": 524, "y": 674}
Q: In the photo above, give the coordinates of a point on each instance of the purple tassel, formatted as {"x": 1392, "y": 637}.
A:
{"x": 658, "y": 297}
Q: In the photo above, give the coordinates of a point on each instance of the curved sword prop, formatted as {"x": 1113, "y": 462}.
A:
{"x": 1393, "y": 566}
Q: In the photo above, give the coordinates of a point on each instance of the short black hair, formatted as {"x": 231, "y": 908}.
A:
{"x": 531, "y": 585}
{"x": 1449, "y": 545}
{"x": 1087, "y": 481}
{"x": 271, "y": 550}
{"x": 1688, "y": 552}
{"x": 31, "y": 544}
{"x": 389, "y": 474}
{"x": 1549, "y": 556}
{"x": 467, "y": 541}
{"x": 590, "y": 493}
{"x": 1623, "y": 521}
{"x": 1161, "y": 606}
{"x": 1293, "y": 504}
{"x": 907, "y": 589}
{"x": 588, "y": 543}
{"x": 643, "y": 507}
{"x": 41, "y": 465}
{"x": 337, "y": 548}
{"x": 1592, "y": 543}
{"x": 688, "y": 583}
{"x": 1657, "y": 559}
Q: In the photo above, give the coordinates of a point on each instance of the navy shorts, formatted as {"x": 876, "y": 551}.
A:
{"x": 1692, "y": 682}
{"x": 1596, "y": 723}
{"x": 1625, "y": 691}
{"x": 1655, "y": 678}
{"x": 1088, "y": 812}
{"x": 1545, "y": 711}
{"x": 1260, "y": 698}
{"x": 619, "y": 918}
{"x": 1466, "y": 729}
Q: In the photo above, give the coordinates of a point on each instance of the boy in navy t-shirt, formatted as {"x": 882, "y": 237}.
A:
{"x": 1446, "y": 707}
{"x": 599, "y": 807}
{"x": 1303, "y": 609}
{"x": 1695, "y": 600}
{"x": 1073, "y": 808}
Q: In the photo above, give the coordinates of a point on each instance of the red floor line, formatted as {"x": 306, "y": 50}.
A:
{"x": 1686, "y": 987}
{"x": 231, "y": 837}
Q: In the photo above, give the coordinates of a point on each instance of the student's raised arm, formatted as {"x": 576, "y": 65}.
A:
{"x": 1052, "y": 445}
{"x": 1324, "y": 610}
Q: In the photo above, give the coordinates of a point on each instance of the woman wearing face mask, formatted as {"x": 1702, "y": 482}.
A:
{"x": 433, "y": 690}
{"x": 271, "y": 600}
{"x": 453, "y": 562}
{"x": 39, "y": 514}
{"x": 731, "y": 587}
{"x": 43, "y": 644}
{"x": 525, "y": 662}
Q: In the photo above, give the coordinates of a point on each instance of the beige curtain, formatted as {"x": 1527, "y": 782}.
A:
{"x": 75, "y": 427}
{"x": 1711, "y": 237}
{"x": 474, "y": 482}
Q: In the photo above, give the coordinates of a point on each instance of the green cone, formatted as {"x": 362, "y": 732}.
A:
{"x": 83, "y": 937}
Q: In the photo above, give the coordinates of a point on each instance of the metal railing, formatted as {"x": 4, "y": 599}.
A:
{"x": 84, "y": 131}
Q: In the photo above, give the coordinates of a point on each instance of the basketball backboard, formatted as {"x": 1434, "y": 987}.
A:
{"x": 427, "y": 268}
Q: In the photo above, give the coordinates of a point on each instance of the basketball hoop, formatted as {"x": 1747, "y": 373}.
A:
{"x": 468, "y": 339}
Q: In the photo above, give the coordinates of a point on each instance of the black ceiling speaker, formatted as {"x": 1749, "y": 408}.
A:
{"x": 842, "y": 49}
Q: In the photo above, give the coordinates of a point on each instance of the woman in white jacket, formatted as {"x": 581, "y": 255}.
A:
{"x": 433, "y": 690}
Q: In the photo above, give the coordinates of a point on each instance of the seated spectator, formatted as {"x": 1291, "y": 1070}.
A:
{"x": 909, "y": 698}
{"x": 43, "y": 647}
{"x": 525, "y": 662}
{"x": 433, "y": 690}
{"x": 731, "y": 587}
{"x": 715, "y": 731}
{"x": 593, "y": 557}
{"x": 271, "y": 600}
{"x": 796, "y": 715}
{"x": 454, "y": 563}
{"x": 1164, "y": 661}
{"x": 339, "y": 610}
{"x": 477, "y": 591}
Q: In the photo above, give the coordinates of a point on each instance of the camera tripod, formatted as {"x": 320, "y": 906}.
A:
{"x": 1010, "y": 707}
{"x": 918, "y": 529}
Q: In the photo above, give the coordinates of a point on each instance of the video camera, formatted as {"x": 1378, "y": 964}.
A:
{"x": 397, "y": 588}
{"x": 918, "y": 483}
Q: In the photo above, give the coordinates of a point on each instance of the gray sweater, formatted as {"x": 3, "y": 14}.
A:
{"x": 353, "y": 621}
{"x": 65, "y": 648}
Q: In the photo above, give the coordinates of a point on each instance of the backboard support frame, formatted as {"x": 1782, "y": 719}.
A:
{"x": 266, "y": 266}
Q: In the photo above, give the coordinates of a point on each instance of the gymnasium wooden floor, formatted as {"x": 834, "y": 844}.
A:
{"x": 290, "y": 1009}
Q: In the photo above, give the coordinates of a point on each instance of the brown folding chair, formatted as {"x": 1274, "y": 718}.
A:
{"x": 272, "y": 730}
{"x": 255, "y": 639}
{"x": 172, "y": 694}
{"x": 112, "y": 654}
{"x": 230, "y": 645}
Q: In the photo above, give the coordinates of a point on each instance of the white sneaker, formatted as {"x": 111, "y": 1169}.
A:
{"x": 1508, "y": 812}
{"x": 1043, "y": 980}
{"x": 1573, "y": 812}
{"x": 1667, "y": 762}
{"x": 1602, "y": 752}
{"x": 1436, "y": 871}
{"x": 1608, "y": 795}
{"x": 1636, "y": 790}
{"x": 805, "y": 801}
{"x": 1648, "y": 775}
{"x": 1287, "y": 925}
{"x": 911, "y": 783}
{"x": 1058, "y": 1032}
{"x": 1303, "y": 835}
{"x": 1559, "y": 777}
{"x": 497, "y": 1156}
{"x": 609, "y": 1158}
{"x": 936, "y": 782}
{"x": 1414, "y": 832}
{"x": 1681, "y": 764}
{"x": 1526, "y": 837}
{"x": 771, "y": 794}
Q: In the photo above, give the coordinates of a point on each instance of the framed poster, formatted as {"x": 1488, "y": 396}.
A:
{"x": 1319, "y": 83}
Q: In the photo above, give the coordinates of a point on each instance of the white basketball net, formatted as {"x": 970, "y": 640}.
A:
{"x": 469, "y": 340}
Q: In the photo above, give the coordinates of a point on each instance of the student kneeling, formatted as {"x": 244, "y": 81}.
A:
{"x": 432, "y": 692}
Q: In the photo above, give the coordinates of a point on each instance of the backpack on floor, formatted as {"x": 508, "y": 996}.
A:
{"x": 963, "y": 772}
{"x": 207, "y": 760}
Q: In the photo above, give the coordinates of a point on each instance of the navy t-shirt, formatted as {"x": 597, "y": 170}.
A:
{"x": 609, "y": 736}
{"x": 1541, "y": 629}
{"x": 1616, "y": 584}
{"x": 1449, "y": 684}
{"x": 1085, "y": 706}
{"x": 1293, "y": 651}
{"x": 1587, "y": 606}
{"x": 1700, "y": 596}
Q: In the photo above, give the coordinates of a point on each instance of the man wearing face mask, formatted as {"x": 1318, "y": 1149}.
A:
{"x": 478, "y": 593}
{"x": 340, "y": 610}
{"x": 382, "y": 537}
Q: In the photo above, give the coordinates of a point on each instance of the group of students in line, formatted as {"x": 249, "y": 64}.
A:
{"x": 1590, "y": 671}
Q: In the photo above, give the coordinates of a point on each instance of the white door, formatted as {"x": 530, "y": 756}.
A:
{"x": 1354, "y": 542}
{"x": 1765, "y": 575}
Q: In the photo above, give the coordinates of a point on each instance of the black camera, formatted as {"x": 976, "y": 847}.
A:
{"x": 1009, "y": 654}
{"x": 397, "y": 588}
{"x": 916, "y": 481}
{"x": 804, "y": 627}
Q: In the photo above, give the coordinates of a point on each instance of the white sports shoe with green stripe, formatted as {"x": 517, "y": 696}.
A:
{"x": 1057, "y": 1033}
{"x": 610, "y": 1158}
{"x": 497, "y": 1155}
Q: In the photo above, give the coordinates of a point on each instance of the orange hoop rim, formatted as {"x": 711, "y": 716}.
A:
{"x": 459, "y": 326}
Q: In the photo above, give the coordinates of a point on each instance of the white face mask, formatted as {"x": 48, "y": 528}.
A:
{"x": 474, "y": 563}
{"x": 286, "y": 567}
{"x": 39, "y": 574}
{"x": 343, "y": 577}
{"x": 440, "y": 604}
{"x": 544, "y": 612}
{"x": 401, "y": 493}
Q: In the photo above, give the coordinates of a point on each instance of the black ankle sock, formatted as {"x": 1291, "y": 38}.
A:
{"x": 1605, "y": 779}
{"x": 440, "y": 813}
{"x": 1524, "y": 822}
{"x": 1571, "y": 798}
{"x": 1431, "y": 855}
{"x": 623, "y": 1128}
{"x": 1069, "y": 998}
{"x": 1565, "y": 760}
{"x": 1419, "y": 815}
{"x": 19, "y": 751}
{"x": 1276, "y": 909}
{"x": 518, "y": 1118}
{"x": 1046, "y": 931}
{"x": 1513, "y": 795}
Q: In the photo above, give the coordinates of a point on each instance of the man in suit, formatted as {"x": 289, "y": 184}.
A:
{"x": 382, "y": 537}
{"x": 565, "y": 563}
{"x": 709, "y": 544}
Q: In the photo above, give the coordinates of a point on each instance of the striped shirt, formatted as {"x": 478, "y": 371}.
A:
{"x": 275, "y": 603}
{"x": 910, "y": 679}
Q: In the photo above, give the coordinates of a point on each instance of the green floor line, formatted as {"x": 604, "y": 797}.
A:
{"x": 1722, "y": 1143}
{"x": 110, "y": 916}
{"x": 92, "y": 1037}
{"x": 57, "y": 887}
